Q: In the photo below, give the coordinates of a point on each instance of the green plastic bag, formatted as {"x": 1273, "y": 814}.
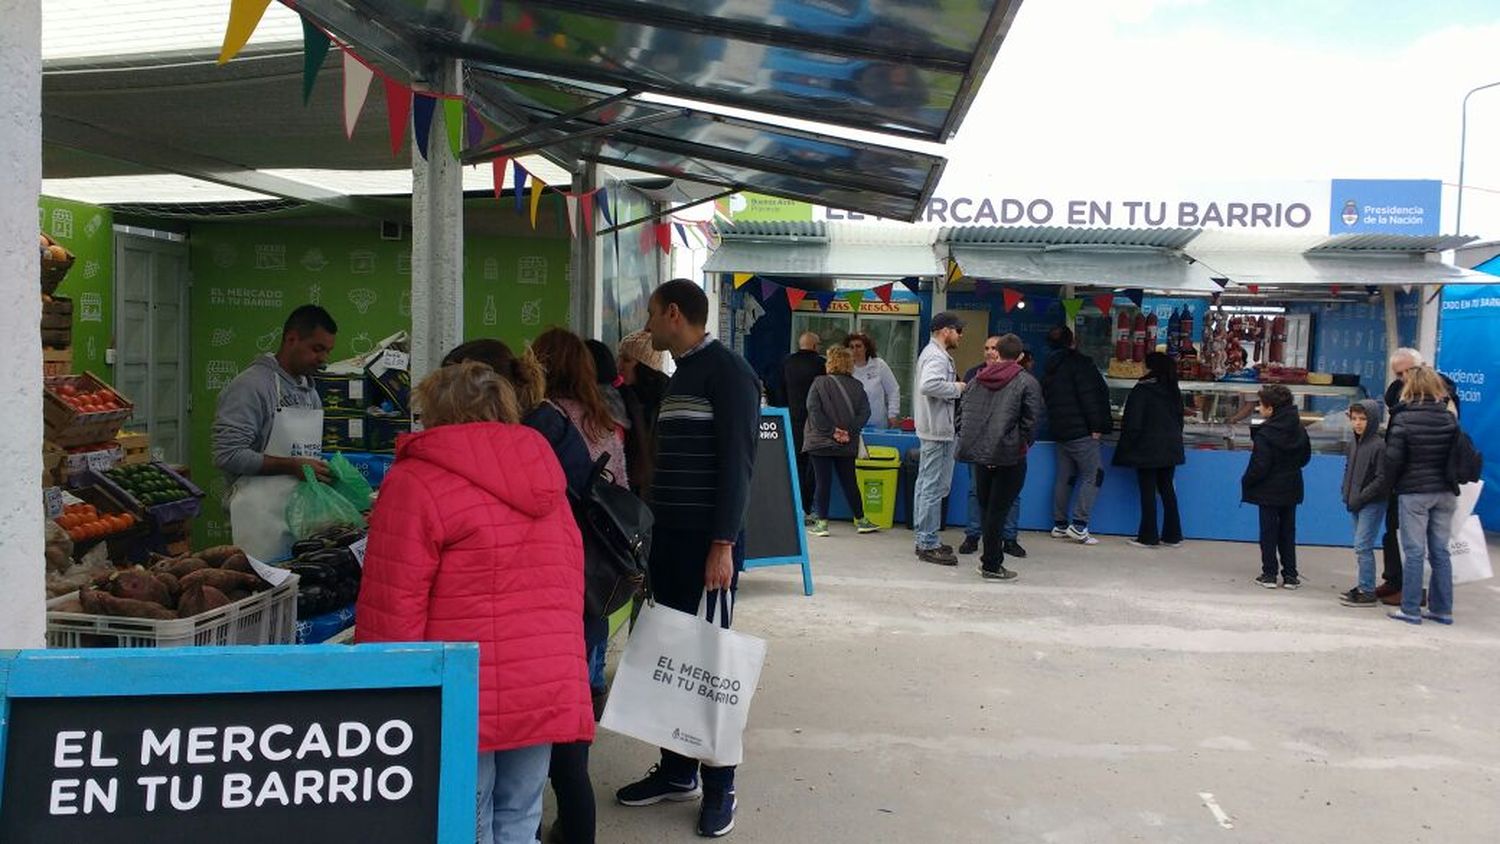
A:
{"x": 348, "y": 482}
{"x": 314, "y": 507}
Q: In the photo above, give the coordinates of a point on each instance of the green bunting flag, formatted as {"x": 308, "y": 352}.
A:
{"x": 315, "y": 44}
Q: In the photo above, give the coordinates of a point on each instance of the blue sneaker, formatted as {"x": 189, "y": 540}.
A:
{"x": 656, "y": 787}
{"x": 1440, "y": 619}
{"x": 716, "y": 817}
{"x": 1401, "y": 616}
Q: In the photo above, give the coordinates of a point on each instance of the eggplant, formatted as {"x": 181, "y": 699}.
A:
{"x": 308, "y": 546}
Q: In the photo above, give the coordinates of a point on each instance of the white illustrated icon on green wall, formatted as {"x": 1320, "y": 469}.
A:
{"x": 92, "y": 227}
{"x": 62, "y": 222}
{"x": 491, "y": 312}
{"x": 361, "y": 262}
{"x": 531, "y": 312}
{"x": 362, "y": 298}
{"x": 491, "y": 269}
{"x": 403, "y": 263}
{"x": 361, "y": 343}
{"x": 91, "y": 308}
{"x": 268, "y": 341}
{"x": 90, "y": 269}
{"x": 222, "y": 337}
{"x": 313, "y": 260}
{"x": 91, "y": 349}
{"x": 270, "y": 256}
{"x": 532, "y": 270}
{"x": 315, "y": 294}
{"x": 218, "y": 374}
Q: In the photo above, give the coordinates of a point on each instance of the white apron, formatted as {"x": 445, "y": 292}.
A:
{"x": 257, "y": 503}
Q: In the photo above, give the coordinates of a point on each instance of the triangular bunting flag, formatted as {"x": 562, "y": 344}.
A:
{"x": 517, "y": 184}
{"x": 740, "y": 279}
{"x": 315, "y": 44}
{"x": 794, "y": 296}
{"x": 453, "y": 122}
{"x": 1104, "y": 301}
{"x": 981, "y": 288}
{"x": 825, "y": 300}
{"x": 536, "y": 197}
{"x": 422, "y": 108}
{"x": 497, "y": 169}
{"x": 397, "y": 112}
{"x": 1011, "y": 297}
{"x": 492, "y": 14}
{"x": 1136, "y": 296}
{"x": 357, "y": 79}
{"x": 953, "y": 272}
{"x": 682, "y": 233}
{"x": 767, "y": 290}
{"x": 572, "y": 201}
{"x": 604, "y": 206}
{"x": 588, "y": 213}
{"x": 912, "y": 283}
{"x": 884, "y": 291}
{"x": 473, "y": 128}
{"x": 648, "y": 238}
{"x": 664, "y": 237}
{"x": 854, "y": 298}
{"x": 1254, "y": 288}
{"x": 1334, "y": 289}
{"x": 473, "y": 8}
{"x": 1071, "y": 307}
{"x": 244, "y": 17}
{"x": 1222, "y": 282}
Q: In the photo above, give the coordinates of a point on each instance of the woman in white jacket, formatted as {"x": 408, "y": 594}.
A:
{"x": 878, "y": 380}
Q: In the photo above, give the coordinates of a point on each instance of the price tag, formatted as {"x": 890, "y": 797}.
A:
{"x": 269, "y": 574}
{"x": 357, "y": 390}
{"x": 358, "y": 550}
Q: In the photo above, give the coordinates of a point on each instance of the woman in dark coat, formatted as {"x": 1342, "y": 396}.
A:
{"x": 1418, "y": 444}
{"x": 837, "y": 408}
{"x": 1151, "y": 443}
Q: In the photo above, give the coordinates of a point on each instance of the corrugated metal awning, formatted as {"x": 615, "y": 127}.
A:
{"x": 830, "y": 260}
{"x": 1171, "y": 238}
{"x": 1148, "y": 269}
{"x": 1392, "y": 243}
{"x": 1273, "y": 269}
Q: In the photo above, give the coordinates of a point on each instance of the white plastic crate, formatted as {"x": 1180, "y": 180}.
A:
{"x": 267, "y": 618}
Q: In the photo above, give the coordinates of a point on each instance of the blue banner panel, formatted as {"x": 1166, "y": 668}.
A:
{"x": 1468, "y": 354}
{"x": 1385, "y": 206}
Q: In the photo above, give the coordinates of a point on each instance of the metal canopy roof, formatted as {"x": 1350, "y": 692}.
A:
{"x": 826, "y": 250}
{"x": 1066, "y": 236}
{"x": 1148, "y": 269}
{"x": 603, "y": 125}
{"x": 906, "y": 67}
{"x": 1291, "y": 269}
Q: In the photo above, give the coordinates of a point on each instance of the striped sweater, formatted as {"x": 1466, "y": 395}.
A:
{"x": 705, "y": 441}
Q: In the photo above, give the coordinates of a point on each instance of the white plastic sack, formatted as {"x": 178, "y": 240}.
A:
{"x": 1468, "y": 497}
{"x": 1470, "y": 553}
{"x": 685, "y": 684}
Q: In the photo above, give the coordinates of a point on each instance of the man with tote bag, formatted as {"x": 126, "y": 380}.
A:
{"x": 707, "y": 433}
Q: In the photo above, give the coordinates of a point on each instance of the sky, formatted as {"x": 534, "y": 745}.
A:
{"x": 1169, "y": 95}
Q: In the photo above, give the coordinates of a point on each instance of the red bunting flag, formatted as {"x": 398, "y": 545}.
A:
{"x": 1334, "y": 289}
{"x": 588, "y": 212}
{"x": 1011, "y": 297}
{"x": 398, "y": 113}
{"x": 497, "y": 167}
{"x": 884, "y": 292}
{"x": 1253, "y": 288}
{"x": 1104, "y": 301}
{"x": 794, "y": 296}
{"x": 664, "y": 237}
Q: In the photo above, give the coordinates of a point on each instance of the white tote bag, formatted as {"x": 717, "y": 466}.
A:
{"x": 1470, "y": 553}
{"x": 684, "y": 684}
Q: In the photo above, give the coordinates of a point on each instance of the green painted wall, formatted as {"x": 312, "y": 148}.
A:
{"x": 88, "y": 232}
{"x": 247, "y": 278}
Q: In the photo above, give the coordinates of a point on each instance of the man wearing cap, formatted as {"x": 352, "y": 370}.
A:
{"x": 938, "y": 388}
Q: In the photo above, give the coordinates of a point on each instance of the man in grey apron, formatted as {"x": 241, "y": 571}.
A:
{"x": 269, "y": 424}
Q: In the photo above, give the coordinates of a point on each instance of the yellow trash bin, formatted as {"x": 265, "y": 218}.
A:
{"x": 877, "y": 476}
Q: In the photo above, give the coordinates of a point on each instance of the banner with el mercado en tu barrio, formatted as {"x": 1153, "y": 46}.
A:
{"x": 1468, "y": 354}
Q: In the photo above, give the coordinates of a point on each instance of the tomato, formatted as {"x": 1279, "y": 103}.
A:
{"x": 76, "y": 534}
{"x": 67, "y": 390}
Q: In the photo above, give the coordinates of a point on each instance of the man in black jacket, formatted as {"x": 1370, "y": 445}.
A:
{"x": 1389, "y": 590}
{"x": 1078, "y": 414}
{"x": 798, "y": 371}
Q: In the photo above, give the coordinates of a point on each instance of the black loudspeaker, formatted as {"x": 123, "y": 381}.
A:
{"x": 391, "y": 231}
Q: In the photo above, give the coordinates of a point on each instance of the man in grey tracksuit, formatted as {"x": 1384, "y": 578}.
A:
{"x": 937, "y": 389}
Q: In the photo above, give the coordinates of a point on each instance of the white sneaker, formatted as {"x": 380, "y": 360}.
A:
{"x": 1081, "y": 536}
{"x": 1060, "y": 533}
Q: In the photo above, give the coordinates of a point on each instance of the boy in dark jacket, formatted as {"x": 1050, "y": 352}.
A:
{"x": 1365, "y": 496}
{"x": 1273, "y": 480}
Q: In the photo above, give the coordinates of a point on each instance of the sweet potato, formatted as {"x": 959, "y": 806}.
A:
{"x": 198, "y": 599}
{"x": 99, "y": 602}
{"x": 136, "y": 585}
{"x": 57, "y": 561}
{"x": 174, "y": 586}
{"x": 216, "y": 555}
{"x": 237, "y": 562}
{"x": 224, "y": 581}
{"x": 182, "y": 566}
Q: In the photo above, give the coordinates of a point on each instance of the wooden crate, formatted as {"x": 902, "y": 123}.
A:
{"x": 57, "y": 362}
{"x": 64, "y": 425}
{"x": 52, "y": 458}
{"x": 137, "y": 447}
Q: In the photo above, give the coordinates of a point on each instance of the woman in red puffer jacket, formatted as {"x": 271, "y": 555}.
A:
{"x": 472, "y": 540}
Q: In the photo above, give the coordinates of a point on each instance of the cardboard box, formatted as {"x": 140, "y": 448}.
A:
{"x": 137, "y": 447}
{"x": 343, "y": 432}
{"x": 390, "y": 375}
{"x": 346, "y": 394}
{"x": 381, "y": 432}
{"x": 57, "y": 362}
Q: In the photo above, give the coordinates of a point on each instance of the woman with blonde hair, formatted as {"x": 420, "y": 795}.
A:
{"x": 837, "y": 408}
{"x": 1417, "y": 446}
{"x": 472, "y": 540}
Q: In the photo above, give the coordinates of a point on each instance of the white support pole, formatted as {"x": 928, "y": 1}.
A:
{"x": 22, "y": 584}
{"x": 437, "y": 239}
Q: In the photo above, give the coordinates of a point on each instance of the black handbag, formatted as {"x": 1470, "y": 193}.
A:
{"x": 616, "y": 528}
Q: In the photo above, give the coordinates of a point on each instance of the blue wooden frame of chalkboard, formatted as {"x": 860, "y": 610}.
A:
{"x": 801, "y": 557}
{"x": 144, "y": 672}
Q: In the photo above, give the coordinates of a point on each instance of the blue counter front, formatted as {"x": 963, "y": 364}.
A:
{"x": 1208, "y": 492}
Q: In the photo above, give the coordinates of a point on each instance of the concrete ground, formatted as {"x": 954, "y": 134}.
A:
{"x": 1108, "y": 694}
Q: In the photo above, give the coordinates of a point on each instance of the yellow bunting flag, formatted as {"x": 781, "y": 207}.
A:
{"x": 954, "y": 273}
{"x": 741, "y": 279}
{"x": 244, "y": 17}
{"x": 536, "y": 197}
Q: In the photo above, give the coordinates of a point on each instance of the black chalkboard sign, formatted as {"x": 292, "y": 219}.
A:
{"x": 141, "y": 766}
{"x": 774, "y": 533}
